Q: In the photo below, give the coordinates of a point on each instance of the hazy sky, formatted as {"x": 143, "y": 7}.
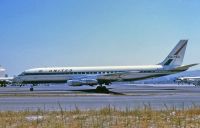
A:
{"x": 41, "y": 33}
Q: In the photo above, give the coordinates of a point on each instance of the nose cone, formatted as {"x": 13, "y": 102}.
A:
{"x": 17, "y": 79}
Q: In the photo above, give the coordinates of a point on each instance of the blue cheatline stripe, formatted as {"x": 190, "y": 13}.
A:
{"x": 180, "y": 49}
{"x": 168, "y": 62}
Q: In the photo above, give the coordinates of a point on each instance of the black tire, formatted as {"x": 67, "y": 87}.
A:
{"x": 98, "y": 87}
{"x": 102, "y": 89}
{"x": 31, "y": 89}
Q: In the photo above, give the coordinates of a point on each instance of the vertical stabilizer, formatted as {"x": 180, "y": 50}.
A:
{"x": 175, "y": 58}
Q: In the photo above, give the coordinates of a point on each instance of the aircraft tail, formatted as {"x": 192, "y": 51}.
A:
{"x": 175, "y": 58}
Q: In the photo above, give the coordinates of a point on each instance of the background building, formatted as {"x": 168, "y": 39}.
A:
{"x": 2, "y": 72}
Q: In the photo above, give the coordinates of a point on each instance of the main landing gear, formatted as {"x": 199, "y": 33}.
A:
{"x": 102, "y": 89}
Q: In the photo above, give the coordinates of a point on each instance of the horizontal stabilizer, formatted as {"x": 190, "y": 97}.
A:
{"x": 185, "y": 67}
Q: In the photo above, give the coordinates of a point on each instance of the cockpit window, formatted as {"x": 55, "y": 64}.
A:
{"x": 22, "y": 74}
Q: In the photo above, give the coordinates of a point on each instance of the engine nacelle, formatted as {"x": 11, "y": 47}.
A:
{"x": 90, "y": 82}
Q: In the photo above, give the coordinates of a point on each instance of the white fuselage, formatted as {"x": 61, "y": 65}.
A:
{"x": 110, "y": 73}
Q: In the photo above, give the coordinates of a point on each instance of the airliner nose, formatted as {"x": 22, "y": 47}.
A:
{"x": 17, "y": 79}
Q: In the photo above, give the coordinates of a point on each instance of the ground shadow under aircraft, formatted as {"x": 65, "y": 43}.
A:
{"x": 89, "y": 91}
{"x": 97, "y": 91}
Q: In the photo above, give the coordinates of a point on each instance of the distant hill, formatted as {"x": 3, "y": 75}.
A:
{"x": 170, "y": 78}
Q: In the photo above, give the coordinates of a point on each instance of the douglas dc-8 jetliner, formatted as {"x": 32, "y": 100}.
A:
{"x": 78, "y": 76}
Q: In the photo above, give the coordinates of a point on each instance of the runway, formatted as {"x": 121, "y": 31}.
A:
{"x": 122, "y": 96}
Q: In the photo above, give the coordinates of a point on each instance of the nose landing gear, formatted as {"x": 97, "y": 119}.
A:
{"x": 31, "y": 88}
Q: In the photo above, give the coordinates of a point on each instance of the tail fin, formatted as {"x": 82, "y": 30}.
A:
{"x": 175, "y": 58}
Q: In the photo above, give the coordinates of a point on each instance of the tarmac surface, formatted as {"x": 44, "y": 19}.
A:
{"x": 121, "y": 96}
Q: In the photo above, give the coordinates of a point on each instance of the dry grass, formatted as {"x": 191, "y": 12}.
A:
{"x": 108, "y": 117}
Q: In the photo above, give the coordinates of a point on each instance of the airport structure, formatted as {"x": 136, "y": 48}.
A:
{"x": 78, "y": 76}
{"x": 2, "y": 72}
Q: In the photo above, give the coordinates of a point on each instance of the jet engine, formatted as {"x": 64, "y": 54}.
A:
{"x": 90, "y": 82}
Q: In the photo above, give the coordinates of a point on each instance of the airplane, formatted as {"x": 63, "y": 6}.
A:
{"x": 4, "y": 80}
{"x": 103, "y": 76}
{"x": 189, "y": 80}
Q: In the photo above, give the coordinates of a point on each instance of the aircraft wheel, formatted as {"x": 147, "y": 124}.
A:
{"x": 102, "y": 89}
{"x": 31, "y": 89}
